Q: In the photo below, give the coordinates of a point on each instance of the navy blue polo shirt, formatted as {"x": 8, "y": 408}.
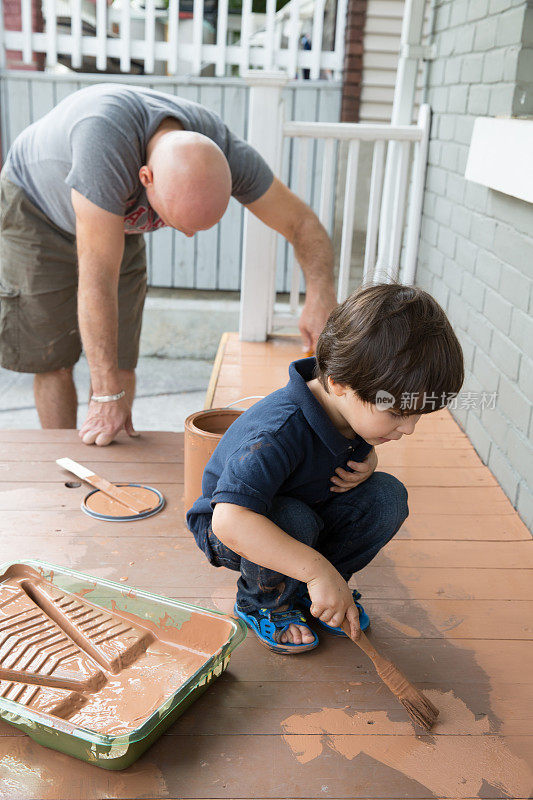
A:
{"x": 284, "y": 444}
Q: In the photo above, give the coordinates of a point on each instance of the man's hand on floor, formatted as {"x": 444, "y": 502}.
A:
{"x": 105, "y": 421}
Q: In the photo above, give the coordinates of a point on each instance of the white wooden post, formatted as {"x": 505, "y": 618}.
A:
{"x": 259, "y": 241}
{"x": 402, "y": 113}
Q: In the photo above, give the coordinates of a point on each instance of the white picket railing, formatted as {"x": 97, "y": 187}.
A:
{"x": 259, "y": 315}
{"x": 181, "y": 46}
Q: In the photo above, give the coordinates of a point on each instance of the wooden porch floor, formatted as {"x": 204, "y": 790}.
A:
{"x": 451, "y": 601}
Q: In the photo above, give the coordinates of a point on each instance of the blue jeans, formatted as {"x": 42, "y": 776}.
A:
{"x": 349, "y": 529}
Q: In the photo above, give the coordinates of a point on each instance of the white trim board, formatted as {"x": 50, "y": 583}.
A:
{"x": 501, "y": 156}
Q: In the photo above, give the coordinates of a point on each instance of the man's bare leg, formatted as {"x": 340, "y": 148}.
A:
{"x": 55, "y": 398}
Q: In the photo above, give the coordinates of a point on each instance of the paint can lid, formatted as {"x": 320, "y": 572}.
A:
{"x": 98, "y": 505}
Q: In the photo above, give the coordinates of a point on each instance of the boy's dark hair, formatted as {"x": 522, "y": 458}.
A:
{"x": 394, "y": 339}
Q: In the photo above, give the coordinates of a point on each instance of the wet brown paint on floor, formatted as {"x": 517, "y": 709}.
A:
{"x": 461, "y": 555}
{"x": 435, "y": 760}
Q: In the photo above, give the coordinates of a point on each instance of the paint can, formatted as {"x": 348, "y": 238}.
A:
{"x": 203, "y": 431}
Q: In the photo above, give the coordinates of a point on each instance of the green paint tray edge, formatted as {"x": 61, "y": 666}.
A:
{"x": 119, "y": 752}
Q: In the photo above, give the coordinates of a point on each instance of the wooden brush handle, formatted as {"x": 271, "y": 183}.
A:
{"x": 117, "y": 493}
{"x": 365, "y": 644}
{"x": 387, "y": 671}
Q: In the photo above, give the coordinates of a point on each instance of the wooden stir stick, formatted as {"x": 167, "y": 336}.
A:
{"x": 117, "y": 493}
{"x": 419, "y": 708}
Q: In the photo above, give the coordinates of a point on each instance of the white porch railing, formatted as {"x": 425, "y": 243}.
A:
{"x": 167, "y": 43}
{"x": 259, "y": 317}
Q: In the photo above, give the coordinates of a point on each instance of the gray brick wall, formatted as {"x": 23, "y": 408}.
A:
{"x": 476, "y": 249}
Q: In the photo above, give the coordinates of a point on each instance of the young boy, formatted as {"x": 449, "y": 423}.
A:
{"x": 290, "y": 498}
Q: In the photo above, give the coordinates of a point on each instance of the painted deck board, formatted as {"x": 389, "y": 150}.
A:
{"x": 451, "y": 602}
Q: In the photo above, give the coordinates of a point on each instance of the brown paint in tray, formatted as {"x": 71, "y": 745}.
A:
{"x": 95, "y": 671}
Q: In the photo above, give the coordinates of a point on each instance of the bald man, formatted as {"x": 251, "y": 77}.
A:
{"x": 78, "y": 190}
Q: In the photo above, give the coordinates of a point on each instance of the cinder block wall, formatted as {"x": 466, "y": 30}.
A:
{"x": 476, "y": 251}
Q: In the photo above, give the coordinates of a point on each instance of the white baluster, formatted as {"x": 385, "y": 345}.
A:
{"x": 173, "y": 33}
{"x": 417, "y": 196}
{"x": 125, "y": 37}
{"x": 294, "y": 39}
{"x": 222, "y": 35}
{"x": 316, "y": 39}
{"x": 197, "y": 35}
{"x": 374, "y": 205}
{"x": 301, "y": 190}
{"x": 51, "y": 33}
{"x": 348, "y": 220}
{"x": 101, "y": 35}
{"x": 149, "y": 36}
{"x": 26, "y": 22}
{"x": 326, "y": 185}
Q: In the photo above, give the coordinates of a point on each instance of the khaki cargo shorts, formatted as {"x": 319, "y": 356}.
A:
{"x": 38, "y": 285}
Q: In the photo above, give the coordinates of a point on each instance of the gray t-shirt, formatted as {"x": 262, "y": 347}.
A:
{"x": 95, "y": 141}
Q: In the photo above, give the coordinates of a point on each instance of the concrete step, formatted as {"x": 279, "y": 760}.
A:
{"x": 187, "y": 325}
{"x": 168, "y": 390}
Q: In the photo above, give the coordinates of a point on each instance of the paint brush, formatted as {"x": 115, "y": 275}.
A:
{"x": 420, "y": 709}
{"x": 115, "y": 492}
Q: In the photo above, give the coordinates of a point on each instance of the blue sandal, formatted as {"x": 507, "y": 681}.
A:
{"x": 304, "y": 601}
{"x": 269, "y": 624}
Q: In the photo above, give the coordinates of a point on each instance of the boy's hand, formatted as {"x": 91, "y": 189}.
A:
{"x": 352, "y": 617}
{"x": 332, "y": 600}
{"x": 344, "y": 480}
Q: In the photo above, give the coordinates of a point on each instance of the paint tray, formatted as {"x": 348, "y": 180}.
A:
{"x": 140, "y": 615}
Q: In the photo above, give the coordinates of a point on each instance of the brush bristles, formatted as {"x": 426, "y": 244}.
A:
{"x": 420, "y": 709}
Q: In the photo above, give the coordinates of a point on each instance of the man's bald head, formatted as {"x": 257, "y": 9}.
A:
{"x": 187, "y": 180}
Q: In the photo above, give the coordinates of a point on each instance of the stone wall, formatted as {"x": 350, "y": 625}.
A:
{"x": 476, "y": 250}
